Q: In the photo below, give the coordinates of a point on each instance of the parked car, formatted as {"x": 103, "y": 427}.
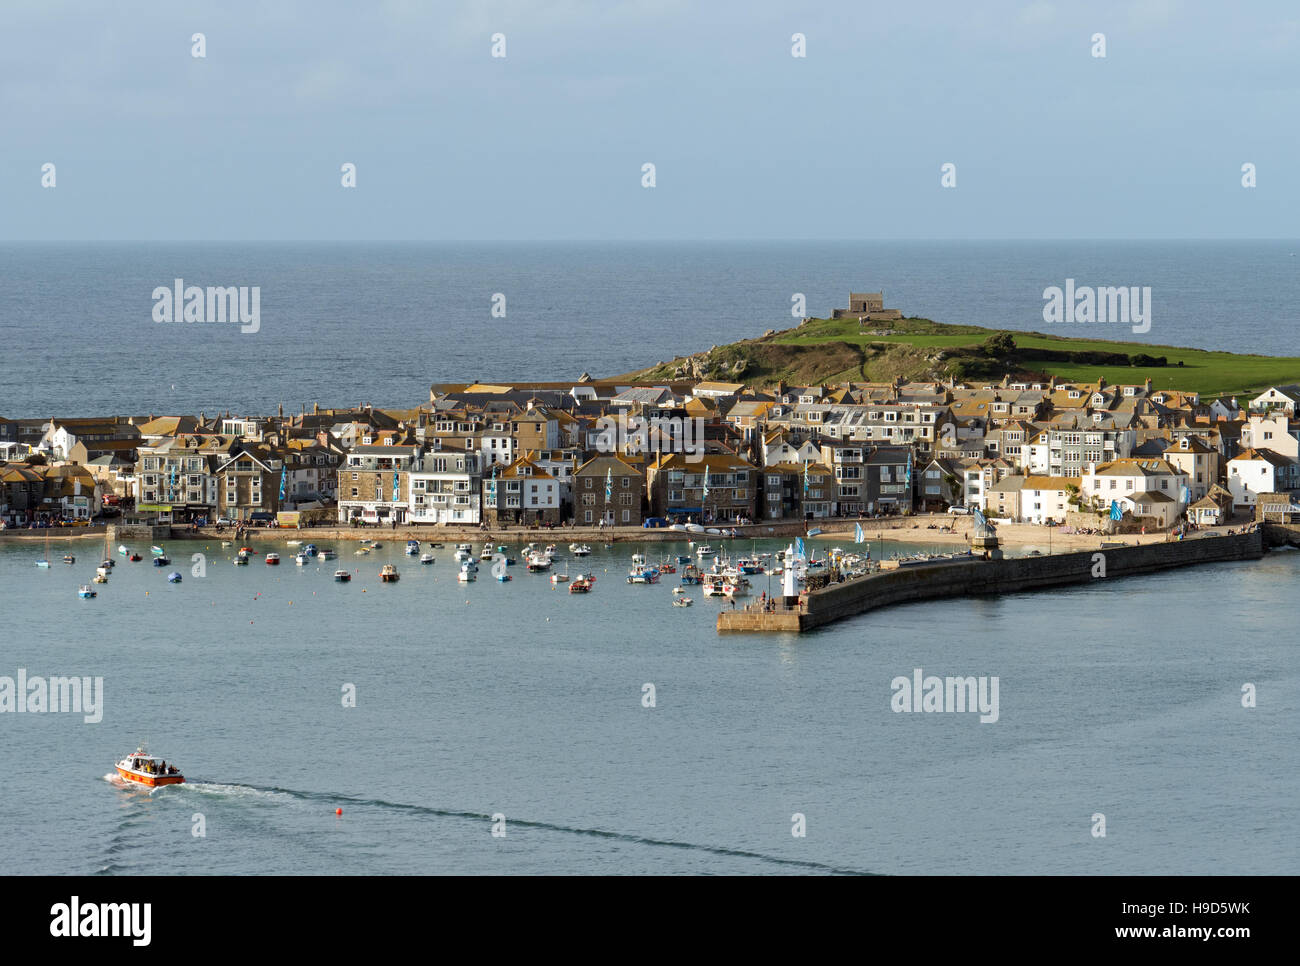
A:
{"x": 959, "y": 510}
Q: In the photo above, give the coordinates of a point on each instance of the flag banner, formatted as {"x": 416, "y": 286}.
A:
{"x": 798, "y": 547}
{"x": 284, "y": 478}
{"x": 609, "y": 484}
{"x": 909, "y": 467}
{"x": 706, "y": 487}
{"x": 805, "y": 477}
{"x": 1115, "y": 512}
{"x": 1183, "y": 495}
{"x": 857, "y": 533}
{"x": 396, "y": 486}
{"x": 980, "y": 520}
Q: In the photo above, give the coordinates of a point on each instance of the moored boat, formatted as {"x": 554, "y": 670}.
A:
{"x": 388, "y": 573}
{"x": 273, "y": 559}
{"x": 144, "y": 769}
{"x": 157, "y": 551}
{"x": 682, "y": 602}
{"x": 301, "y": 559}
{"x": 412, "y": 547}
{"x": 69, "y": 558}
{"x": 328, "y": 555}
{"x": 426, "y": 558}
{"x": 85, "y": 591}
{"x": 580, "y": 585}
{"x": 135, "y": 558}
{"x": 100, "y": 579}
{"x": 162, "y": 561}
{"x": 342, "y": 576}
{"x": 241, "y": 560}
{"x": 468, "y": 572}
{"x": 102, "y": 572}
{"x": 174, "y": 577}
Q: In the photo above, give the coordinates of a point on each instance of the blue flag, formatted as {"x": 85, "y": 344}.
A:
{"x": 609, "y": 484}
{"x": 798, "y": 547}
{"x": 857, "y": 533}
{"x": 1115, "y": 512}
{"x": 805, "y": 477}
{"x": 980, "y": 520}
{"x": 284, "y": 477}
{"x": 396, "y": 486}
{"x": 1183, "y": 495}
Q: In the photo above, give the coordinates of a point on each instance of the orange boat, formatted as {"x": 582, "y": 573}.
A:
{"x": 145, "y": 769}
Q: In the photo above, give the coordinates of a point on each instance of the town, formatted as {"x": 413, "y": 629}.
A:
{"x": 1051, "y": 453}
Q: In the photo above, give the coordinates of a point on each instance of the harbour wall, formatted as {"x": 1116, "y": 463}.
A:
{"x": 974, "y": 576}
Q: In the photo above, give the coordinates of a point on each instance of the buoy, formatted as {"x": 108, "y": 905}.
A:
{"x": 338, "y": 811}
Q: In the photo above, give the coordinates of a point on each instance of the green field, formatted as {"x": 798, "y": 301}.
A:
{"x": 1208, "y": 373}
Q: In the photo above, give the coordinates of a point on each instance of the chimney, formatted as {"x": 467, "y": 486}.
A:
{"x": 1147, "y": 384}
{"x": 281, "y": 411}
{"x": 315, "y": 409}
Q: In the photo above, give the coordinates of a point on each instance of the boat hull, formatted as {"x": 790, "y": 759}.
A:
{"x": 153, "y": 781}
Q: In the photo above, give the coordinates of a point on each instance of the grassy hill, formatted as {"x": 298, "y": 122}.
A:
{"x": 826, "y": 350}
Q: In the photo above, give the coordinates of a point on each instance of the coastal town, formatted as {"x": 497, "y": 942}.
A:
{"x": 1118, "y": 458}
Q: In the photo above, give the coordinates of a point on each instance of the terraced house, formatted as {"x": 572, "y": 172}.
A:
{"x": 374, "y": 484}
{"x": 445, "y": 487}
{"x": 608, "y": 490}
{"x": 709, "y": 488}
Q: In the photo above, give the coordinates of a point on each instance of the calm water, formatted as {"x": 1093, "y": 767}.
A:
{"x": 519, "y": 699}
{"x": 347, "y": 324}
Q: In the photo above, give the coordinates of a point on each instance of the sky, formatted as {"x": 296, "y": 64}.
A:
{"x": 149, "y": 142}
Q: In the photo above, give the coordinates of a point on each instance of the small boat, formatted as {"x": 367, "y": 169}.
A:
{"x": 412, "y": 547}
{"x": 225, "y": 543}
{"x": 748, "y": 565}
{"x": 388, "y": 573}
{"x": 704, "y": 550}
{"x": 342, "y": 576}
{"x": 426, "y": 558}
{"x": 502, "y": 548}
{"x": 486, "y": 552}
{"x": 301, "y": 559}
{"x": 162, "y": 561}
{"x": 122, "y": 549}
{"x": 464, "y": 551}
{"x": 273, "y": 559}
{"x": 108, "y": 562}
{"x": 241, "y": 560}
{"x": 538, "y": 562}
{"x": 144, "y": 769}
{"x": 157, "y": 551}
{"x": 579, "y": 550}
{"x": 580, "y": 585}
{"x": 361, "y": 551}
{"x": 43, "y": 563}
{"x": 69, "y": 558}
{"x": 503, "y": 577}
{"x": 375, "y": 546}
{"x": 85, "y": 592}
{"x": 310, "y": 550}
{"x": 682, "y": 602}
{"x": 559, "y": 578}
{"x": 102, "y": 572}
{"x": 436, "y": 546}
{"x": 135, "y": 558}
{"x": 174, "y": 577}
{"x": 100, "y": 578}
{"x": 668, "y": 567}
{"x": 713, "y": 584}
{"x": 245, "y": 549}
{"x": 294, "y": 543}
{"x": 678, "y": 590}
{"x": 328, "y": 555}
{"x": 468, "y": 572}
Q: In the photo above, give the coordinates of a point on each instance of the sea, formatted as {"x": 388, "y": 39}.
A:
{"x": 1149, "y": 726}
{"x": 348, "y": 324}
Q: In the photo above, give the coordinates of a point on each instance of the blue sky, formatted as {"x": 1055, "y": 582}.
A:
{"x": 748, "y": 141}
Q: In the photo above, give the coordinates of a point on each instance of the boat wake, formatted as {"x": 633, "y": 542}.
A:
{"x": 628, "y": 837}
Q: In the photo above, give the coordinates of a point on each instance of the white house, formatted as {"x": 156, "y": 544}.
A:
{"x": 1164, "y": 486}
{"x": 1257, "y": 471}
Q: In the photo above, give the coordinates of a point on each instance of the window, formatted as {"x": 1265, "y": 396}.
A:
{"x": 587, "y": 483}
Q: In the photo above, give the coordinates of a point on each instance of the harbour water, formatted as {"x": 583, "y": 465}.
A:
{"x": 523, "y": 701}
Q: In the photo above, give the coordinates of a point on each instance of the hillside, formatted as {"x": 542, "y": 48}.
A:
{"x": 825, "y": 350}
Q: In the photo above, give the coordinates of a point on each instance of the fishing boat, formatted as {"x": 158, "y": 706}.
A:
{"x": 682, "y": 602}
{"x": 486, "y": 552}
{"x": 749, "y": 565}
{"x": 503, "y": 576}
{"x": 713, "y": 584}
{"x": 241, "y": 559}
{"x": 538, "y": 562}
{"x": 468, "y": 573}
{"x": 388, "y": 573}
{"x": 174, "y": 577}
{"x": 704, "y": 550}
{"x": 328, "y": 555}
{"x": 668, "y": 567}
{"x": 643, "y": 576}
{"x": 412, "y": 547}
{"x": 162, "y": 561}
{"x": 690, "y": 574}
{"x": 85, "y": 591}
{"x": 102, "y": 572}
{"x": 273, "y": 559}
{"x": 683, "y": 559}
{"x": 580, "y": 585}
{"x": 100, "y": 578}
{"x": 342, "y": 576}
{"x": 579, "y": 550}
{"x": 301, "y": 559}
{"x": 69, "y": 558}
{"x": 144, "y": 769}
{"x": 502, "y": 548}
{"x": 426, "y": 558}
{"x": 464, "y": 551}
{"x": 735, "y": 586}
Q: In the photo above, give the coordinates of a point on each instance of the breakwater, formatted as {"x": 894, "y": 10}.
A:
{"x": 973, "y": 576}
